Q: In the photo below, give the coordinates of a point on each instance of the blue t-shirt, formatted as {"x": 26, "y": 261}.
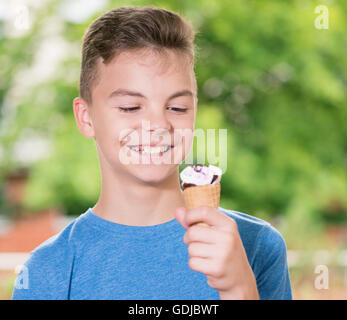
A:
{"x": 93, "y": 258}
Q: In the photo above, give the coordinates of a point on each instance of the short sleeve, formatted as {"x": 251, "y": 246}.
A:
{"x": 45, "y": 275}
{"x": 271, "y": 270}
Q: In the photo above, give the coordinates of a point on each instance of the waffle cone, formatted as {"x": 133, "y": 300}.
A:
{"x": 206, "y": 195}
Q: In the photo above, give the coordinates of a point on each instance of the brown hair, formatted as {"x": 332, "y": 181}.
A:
{"x": 128, "y": 28}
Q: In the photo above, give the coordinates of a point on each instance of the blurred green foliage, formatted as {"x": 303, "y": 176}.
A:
{"x": 264, "y": 72}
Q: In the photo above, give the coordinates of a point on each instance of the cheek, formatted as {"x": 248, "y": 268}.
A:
{"x": 113, "y": 128}
{"x": 183, "y": 137}
{"x": 108, "y": 132}
{"x": 184, "y": 122}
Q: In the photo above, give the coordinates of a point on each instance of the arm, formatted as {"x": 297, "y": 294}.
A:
{"x": 271, "y": 266}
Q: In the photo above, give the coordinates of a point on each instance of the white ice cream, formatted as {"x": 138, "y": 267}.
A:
{"x": 200, "y": 175}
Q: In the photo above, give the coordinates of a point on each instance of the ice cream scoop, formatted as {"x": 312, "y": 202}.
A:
{"x": 200, "y": 175}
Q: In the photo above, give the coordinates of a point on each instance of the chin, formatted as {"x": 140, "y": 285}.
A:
{"x": 153, "y": 174}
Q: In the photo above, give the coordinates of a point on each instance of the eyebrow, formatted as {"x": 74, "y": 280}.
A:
{"x": 125, "y": 92}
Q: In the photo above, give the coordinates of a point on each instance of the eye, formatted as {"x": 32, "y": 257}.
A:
{"x": 182, "y": 110}
{"x": 129, "y": 109}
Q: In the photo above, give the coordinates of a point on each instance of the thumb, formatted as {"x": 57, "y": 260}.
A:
{"x": 180, "y": 216}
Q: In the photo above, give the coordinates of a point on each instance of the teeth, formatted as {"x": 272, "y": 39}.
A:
{"x": 147, "y": 149}
{"x": 164, "y": 148}
{"x": 150, "y": 150}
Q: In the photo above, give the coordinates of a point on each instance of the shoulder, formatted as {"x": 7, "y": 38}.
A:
{"x": 64, "y": 241}
{"x": 47, "y": 270}
{"x": 259, "y": 237}
{"x": 56, "y": 244}
{"x": 249, "y": 226}
{"x": 244, "y": 220}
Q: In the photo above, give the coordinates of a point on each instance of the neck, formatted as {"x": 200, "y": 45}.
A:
{"x": 131, "y": 203}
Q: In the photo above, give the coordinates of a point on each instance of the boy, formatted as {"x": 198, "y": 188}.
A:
{"x": 138, "y": 241}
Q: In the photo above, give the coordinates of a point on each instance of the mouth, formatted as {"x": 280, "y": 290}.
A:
{"x": 148, "y": 150}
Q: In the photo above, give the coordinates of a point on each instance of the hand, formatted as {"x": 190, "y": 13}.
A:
{"x": 217, "y": 251}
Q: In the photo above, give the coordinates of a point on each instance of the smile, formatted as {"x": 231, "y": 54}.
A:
{"x": 147, "y": 150}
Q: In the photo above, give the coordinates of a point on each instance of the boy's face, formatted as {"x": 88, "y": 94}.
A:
{"x": 142, "y": 102}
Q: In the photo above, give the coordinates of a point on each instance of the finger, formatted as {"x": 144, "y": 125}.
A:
{"x": 180, "y": 216}
{"x": 197, "y": 233}
{"x": 211, "y": 216}
{"x": 204, "y": 265}
{"x": 200, "y": 249}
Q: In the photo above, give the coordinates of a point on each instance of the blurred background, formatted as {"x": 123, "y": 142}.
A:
{"x": 273, "y": 73}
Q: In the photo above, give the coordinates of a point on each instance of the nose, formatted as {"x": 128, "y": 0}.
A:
{"x": 156, "y": 127}
{"x": 157, "y": 121}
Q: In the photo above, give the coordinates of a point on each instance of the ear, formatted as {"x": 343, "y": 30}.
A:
{"x": 82, "y": 117}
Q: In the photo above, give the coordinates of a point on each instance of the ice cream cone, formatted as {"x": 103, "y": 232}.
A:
{"x": 204, "y": 195}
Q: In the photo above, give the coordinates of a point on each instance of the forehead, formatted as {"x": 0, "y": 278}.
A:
{"x": 160, "y": 62}
{"x": 146, "y": 69}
